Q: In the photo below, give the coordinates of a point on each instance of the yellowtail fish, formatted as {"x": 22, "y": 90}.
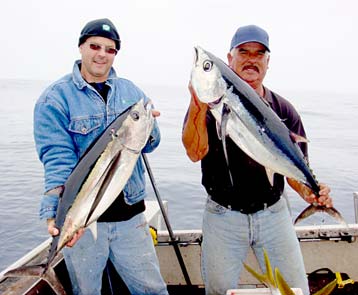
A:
{"x": 275, "y": 281}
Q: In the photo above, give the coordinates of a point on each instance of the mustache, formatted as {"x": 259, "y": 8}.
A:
{"x": 251, "y": 67}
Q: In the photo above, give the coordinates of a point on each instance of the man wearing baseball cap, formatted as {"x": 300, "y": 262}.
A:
{"x": 249, "y": 211}
{"x": 68, "y": 117}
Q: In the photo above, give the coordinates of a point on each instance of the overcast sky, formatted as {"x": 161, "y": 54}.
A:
{"x": 313, "y": 43}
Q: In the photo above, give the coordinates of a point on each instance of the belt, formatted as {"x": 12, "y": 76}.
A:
{"x": 247, "y": 208}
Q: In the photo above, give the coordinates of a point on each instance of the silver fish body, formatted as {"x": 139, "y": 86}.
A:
{"x": 254, "y": 127}
{"x": 111, "y": 172}
{"x": 250, "y": 122}
{"x": 95, "y": 183}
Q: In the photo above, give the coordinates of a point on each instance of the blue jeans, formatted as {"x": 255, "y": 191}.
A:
{"x": 129, "y": 245}
{"x": 228, "y": 236}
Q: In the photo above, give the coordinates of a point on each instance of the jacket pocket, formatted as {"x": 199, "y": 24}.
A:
{"x": 84, "y": 130}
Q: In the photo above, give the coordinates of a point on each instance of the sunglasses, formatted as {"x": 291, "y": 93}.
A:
{"x": 97, "y": 47}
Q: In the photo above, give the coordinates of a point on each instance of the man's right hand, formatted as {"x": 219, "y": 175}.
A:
{"x": 54, "y": 231}
{"x": 195, "y": 135}
{"x": 51, "y": 228}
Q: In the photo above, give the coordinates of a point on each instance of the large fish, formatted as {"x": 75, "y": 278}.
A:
{"x": 95, "y": 182}
{"x": 250, "y": 122}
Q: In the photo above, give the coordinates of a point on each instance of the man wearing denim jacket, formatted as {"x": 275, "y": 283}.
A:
{"x": 69, "y": 115}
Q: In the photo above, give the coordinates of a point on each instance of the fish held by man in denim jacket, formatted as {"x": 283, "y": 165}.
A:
{"x": 95, "y": 182}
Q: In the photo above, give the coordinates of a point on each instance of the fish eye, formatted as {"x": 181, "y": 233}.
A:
{"x": 135, "y": 116}
{"x": 207, "y": 65}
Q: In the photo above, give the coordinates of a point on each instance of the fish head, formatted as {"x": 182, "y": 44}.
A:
{"x": 206, "y": 78}
{"x": 137, "y": 126}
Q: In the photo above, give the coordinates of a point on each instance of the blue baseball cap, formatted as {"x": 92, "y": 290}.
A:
{"x": 250, "y": 33}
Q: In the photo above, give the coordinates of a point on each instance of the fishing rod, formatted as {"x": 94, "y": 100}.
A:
{"x": 171, "y": 234}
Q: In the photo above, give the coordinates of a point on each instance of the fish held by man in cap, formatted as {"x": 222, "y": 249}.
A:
{"x": 250, "y": 122}
{"x": 95, "y": 183}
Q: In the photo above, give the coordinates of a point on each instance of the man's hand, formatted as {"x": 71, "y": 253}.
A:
{"x": 307, "y": 194}
{"x": 53, "y": 231}
{"x": 195, "y": 135}
{"x": 323, "y": 200}
{"x": 155, "y": 113}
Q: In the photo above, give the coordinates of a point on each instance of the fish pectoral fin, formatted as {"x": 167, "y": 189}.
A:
{"x": 298, "y": 138}
{"x": 270, "y": 175}
{"x": 93, "y": 228}
{"x": 218, "y": 130}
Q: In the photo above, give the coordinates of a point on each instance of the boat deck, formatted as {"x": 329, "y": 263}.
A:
{"x": 331, "y": 246}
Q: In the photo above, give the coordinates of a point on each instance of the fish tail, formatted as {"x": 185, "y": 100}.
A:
{"x": 42, "y": 271}
{"x": 312, "y": 209}
{"x": 333, "y": 212}
{"x": 308, "y": 211}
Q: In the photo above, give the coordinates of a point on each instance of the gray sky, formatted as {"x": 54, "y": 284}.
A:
{"x": 313, "y": 42}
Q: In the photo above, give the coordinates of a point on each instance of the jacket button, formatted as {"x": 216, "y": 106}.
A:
{"x": 84, "y": 130}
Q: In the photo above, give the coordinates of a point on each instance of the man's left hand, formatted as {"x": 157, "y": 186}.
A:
{"x": 324, "y": 198}
{"x": 307, "y": 194}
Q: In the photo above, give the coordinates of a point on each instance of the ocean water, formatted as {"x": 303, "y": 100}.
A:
{"x": 330, "y": 120}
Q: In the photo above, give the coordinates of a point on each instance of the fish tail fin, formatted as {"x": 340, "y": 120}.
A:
{"x": 312, "y": 209}
{"x": 266, "y": 278}
{"x": 308, "y": 211}
{"x": 262, "y": 278}
{"x": 42, "y": 271}
{"x": 282, "y": 284}
{"x": 333, "y": 212}
{"x": 326, "y": 290}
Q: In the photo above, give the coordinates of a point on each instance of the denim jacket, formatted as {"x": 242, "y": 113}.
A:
{"x": 68, "y": 116}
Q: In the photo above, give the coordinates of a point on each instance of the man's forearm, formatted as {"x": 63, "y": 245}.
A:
{"x": 195, "y": 135}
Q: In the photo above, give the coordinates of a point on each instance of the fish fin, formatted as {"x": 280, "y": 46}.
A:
{"x": 326, "y": 290}
{"x": 218, "y": 129}
{"x": 266, "y": 278}
{"x": 270, "y": 175}
{"x": 308, "y": 211}
{"x": 26, "y": 271}
{"x": 334, "y": 213}
{"x": 311, "y": 209}
{"x": 93, "y": 228}
{"x": 298, "y": 138}
{"x": 105, "y": 179}
{"x": 51, "y": 278}
{"x": 262, "y": 278}
{"x": 269, "y": 272}
{"x": 224, "y": 120}
{"x": 39, "y": 271}
{"x": 282, "y": 284}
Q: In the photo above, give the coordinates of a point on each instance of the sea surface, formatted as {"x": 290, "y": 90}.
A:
{"x": 330, "y": 119}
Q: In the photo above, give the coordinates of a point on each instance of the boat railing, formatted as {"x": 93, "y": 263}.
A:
{"x": 355, "y": 199}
